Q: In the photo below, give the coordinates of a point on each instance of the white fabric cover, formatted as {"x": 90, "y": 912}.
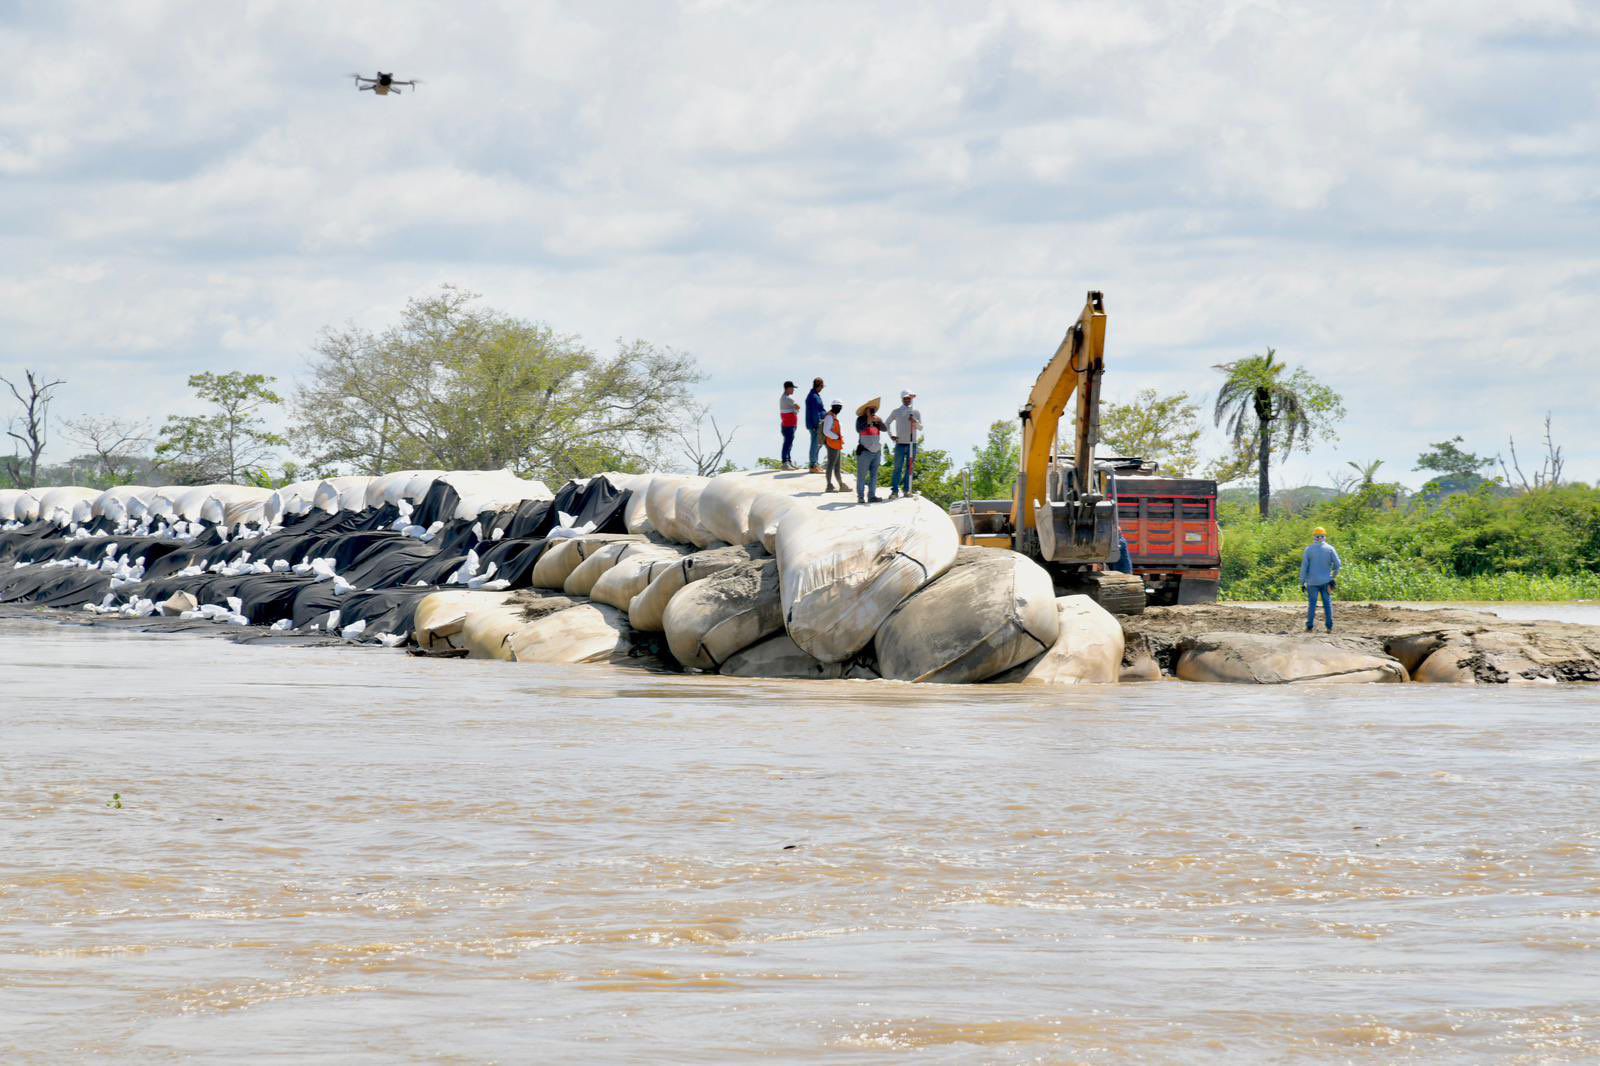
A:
{"x": 992, "y": 610}
{"x": 492, "y": 490}
{"x": 119, "y": 502}
{"x": 291, "y": 499}
{"x": 845, "y": 568}
{"x": 1088, "y": 650}
{"x": 398, "y": 485}
{"x": 346, "y": 493}
{"x": 163, "y": 502}
{"x": 711, "y": 620}
{"x": 243, "y": 504}
{"x": 67, "y": 504}
{"x": 8, "y": 503}
{"x": 726, "y": 503}
{"x": 25, "y": 506}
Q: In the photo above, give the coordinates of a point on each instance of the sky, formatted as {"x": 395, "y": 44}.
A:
{"x": 1404, "y": 198}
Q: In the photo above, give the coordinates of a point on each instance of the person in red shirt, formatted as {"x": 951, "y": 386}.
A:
{"x": 788, "y": 421}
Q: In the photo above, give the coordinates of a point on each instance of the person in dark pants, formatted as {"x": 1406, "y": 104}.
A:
{"x": 814, "y": 412}
{"x": 869, "y": 451}
{"x": 788, "y": 422}
{"x": 1124, "y": 563}
{"x": 1319, "y": 573}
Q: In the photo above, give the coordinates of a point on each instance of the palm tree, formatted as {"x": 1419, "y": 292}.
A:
{"x": 1252, "y": 402}
{"x": 1368, "y": 471}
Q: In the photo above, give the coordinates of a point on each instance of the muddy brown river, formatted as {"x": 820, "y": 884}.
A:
{"x": 331, "y": 854}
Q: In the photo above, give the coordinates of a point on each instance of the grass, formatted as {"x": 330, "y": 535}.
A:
{"x": 1391, "y": 581}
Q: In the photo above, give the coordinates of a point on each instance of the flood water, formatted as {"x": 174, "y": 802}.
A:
{"x": 346, "y": 854}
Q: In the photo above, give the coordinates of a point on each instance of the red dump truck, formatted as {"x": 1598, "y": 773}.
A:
{"x": 1171, "y": 527}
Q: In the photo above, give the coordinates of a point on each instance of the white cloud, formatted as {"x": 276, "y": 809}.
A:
{"x": 881, "y": 195}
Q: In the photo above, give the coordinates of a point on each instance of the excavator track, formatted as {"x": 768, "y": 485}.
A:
{"x": 1117, "y": 592}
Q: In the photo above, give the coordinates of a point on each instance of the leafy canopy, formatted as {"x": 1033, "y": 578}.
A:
{"x": 230, "y": 442}
{"x": 455, "y": 385}
{"x": 1165, "y": 429}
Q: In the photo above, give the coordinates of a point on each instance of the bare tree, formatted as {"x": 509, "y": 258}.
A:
{"x": 1548, "y": 474}
{"x": 707, "y": 459}
{"x": 115, "y": 442}
{"x": 29, "y": 429}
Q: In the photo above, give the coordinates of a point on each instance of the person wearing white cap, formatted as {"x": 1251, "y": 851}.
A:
{"x": 832, "y": 433}
{"x": 905, "y": 424}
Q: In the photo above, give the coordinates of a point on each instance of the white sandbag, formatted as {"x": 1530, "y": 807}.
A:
{"x": 114, "y": 502}
{"x": 399, "y": 485}
{"x": 990, "y": 611}
{"x": 846, "y": 569}
{"x": 585, "y": 633}
{"x": 67, "y": 504}
{"x": 595, "y": 564}
{"x": 780, "y": 656}
{"x": 686, "y": 513}
{"x": 557, "y": 562}
{"x": 648, "y": 608}
{"x": 726, "y": 504}
{"x": 486, "y": 631}
{"x": 440, "y": 617}
{"x": 632, "y": 573}
{"x": 1088, "y": 650}
{"x": 711, "y": 620}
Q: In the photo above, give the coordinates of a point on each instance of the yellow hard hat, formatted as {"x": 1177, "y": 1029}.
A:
{"x": 1319, "y": 532}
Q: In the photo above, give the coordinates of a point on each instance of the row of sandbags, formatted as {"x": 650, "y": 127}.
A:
{"x": 765, "y": 574}
{"x": 232, "y": 505}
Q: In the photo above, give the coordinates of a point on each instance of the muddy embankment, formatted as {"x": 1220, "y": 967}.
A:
{"x": 1371, "y": 643}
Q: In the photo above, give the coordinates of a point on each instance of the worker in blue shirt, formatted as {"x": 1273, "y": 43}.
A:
{"x": 815, "y": 410}
{"x": 1319, "y": 572}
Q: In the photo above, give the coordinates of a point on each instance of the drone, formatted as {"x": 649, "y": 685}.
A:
{"x": 383, "y": 84}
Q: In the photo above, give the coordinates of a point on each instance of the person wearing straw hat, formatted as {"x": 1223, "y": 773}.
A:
{"x": 832, "y": 432}
{"x": 905, "y": 423}
{"x": 1319, "y": 572}
{"x": 869, "y": 450}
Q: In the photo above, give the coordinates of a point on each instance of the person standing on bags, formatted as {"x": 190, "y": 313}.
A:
{"x": 832, "y": 432}
{"x": 788, "y": 421}
{"x": 905, "y": 422}
{"x": 869, "y": 451}
{"x": 1319, "y": 573}
{"x": 814, "y": 412}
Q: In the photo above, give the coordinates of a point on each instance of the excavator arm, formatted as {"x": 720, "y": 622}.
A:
{"x": 1061, "y": 514}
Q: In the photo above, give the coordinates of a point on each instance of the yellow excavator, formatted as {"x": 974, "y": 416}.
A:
{"x": 1062, "y": 511}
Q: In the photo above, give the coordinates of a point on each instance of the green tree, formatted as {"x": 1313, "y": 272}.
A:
{"x": 1165, "y": 429}
{"x": 458, "y": 386}
{"x": 995, "y": 463}
{"x": 230, "y": 442}
{"x": 1278, "y": 409}
{"x": 1457, "y": 470}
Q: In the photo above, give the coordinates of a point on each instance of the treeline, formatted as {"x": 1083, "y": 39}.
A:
{"x": 1539, "y": 543}
{"x": 452, "y": 385}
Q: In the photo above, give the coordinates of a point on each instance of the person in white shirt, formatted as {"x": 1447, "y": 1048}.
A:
{"x": 788, "y": 421}
{"x": 905, "y": 426}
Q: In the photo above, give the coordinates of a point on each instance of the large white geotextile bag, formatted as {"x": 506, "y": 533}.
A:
{"x": 347, "y": 493}
{"x": 25, "y": 506}
{"x": 585, "y": 633}
{"x": 992, "y": 610}
{"x": 647, "y": 610}
{"x": 114, "y": 503}
{"x": 559, "y": 559}
{"x": 594, "y": 565}
{"x": 67, "y": 504}
{"x": 441, "y": 616}
{"x": 779, "y": 656}
{"x": 727, "y": 502}
{"x": 8, "y": 503}
{"x": 686, "y": 513}
{"x": 631, "y": 574}
{"x": 711, "y": 620}
{"x": 1088, "y": 650}
{"x": 845, "y": 570}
